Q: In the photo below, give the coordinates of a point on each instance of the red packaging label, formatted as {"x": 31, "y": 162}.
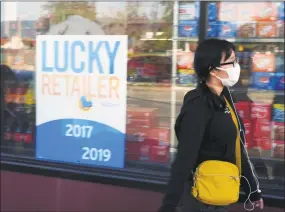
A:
{"x": 243, "y": 109}
{"x": 160, "y": 154}
{"x": 144, "y": 151}
{"x": 267, "y": 30}
{"x": 137, "y": 151}
{"x": 142, "y": 117}
{"x": 255, "y": 143}
{"x": 18, "y": 137}
{"x": 141, "y": 113}
{"x": 159, "y": 137}
{"x": 248, "y": 133}
{"x": 147, "y": 123}
{"x": 264, "y": 143}
{"x": 151, "y": 136}
{"x": 261, "y": 111}
{"x": 28, "y": 138}
{"x": 262, "y": 129}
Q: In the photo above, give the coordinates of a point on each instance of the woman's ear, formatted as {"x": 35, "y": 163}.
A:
{"x": 213, "y": 73}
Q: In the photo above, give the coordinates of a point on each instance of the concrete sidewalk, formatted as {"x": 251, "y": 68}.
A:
{"x": 240, "y": 208}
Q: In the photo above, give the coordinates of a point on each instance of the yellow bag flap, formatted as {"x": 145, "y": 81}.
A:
{"x": 215, "y": 167}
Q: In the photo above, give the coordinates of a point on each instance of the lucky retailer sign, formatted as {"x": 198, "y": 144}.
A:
{"x": 81, "y": 99}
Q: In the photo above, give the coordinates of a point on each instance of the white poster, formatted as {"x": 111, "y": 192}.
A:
{"x": 81, "y": 99}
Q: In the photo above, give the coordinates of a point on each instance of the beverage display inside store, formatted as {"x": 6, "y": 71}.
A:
{"x": 185, "y": 56}
{"x": 188, "y": 19}
{"x": 246, "y": 19}
{"x": 19, "y": 116}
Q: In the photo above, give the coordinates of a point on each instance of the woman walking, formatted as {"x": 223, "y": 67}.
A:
{"x": 211, "y": 161}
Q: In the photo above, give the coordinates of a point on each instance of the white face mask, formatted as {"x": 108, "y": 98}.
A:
{"x": 233, "y": 73}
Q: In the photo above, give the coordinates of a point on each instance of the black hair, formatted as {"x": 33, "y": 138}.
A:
{"x": 208, "y": 56}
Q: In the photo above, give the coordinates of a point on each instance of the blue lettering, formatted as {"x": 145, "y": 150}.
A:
{"x": 93, "y": 55}
{"x": 278, "y": 115}
{"x": 112, "y": 55}
{"x": 44, "y": 57}
{"x": 69, "y": 56}
{"x": 73, "y": 57}
{"x": 65, "y": 56}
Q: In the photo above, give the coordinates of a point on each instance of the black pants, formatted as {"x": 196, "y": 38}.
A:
{"x": 190, "y": 204}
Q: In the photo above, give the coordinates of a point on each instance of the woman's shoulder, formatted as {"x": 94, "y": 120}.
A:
{"x": 194, "y": 107}
{"x": 192, "y": 97}
{"x": 193, "y": 100}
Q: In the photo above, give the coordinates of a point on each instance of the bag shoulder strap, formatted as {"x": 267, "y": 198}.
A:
{"x": 238, "y": 147}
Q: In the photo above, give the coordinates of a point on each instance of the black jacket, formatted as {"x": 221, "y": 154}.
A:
{"x": 205, "y": 131}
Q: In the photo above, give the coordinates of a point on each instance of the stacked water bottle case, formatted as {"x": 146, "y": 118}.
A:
{"x": 264, "y": 124}
{"x": 146, "y": 140}
{"x": 246, "y": 19}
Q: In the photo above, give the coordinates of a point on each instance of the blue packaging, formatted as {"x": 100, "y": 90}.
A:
{"x": 187, "y": 79}
{"x": 263, "y": 80}
{"x": 212, "y": 30}
{"x": 278, "y": 113}
{"x": 212, "y": 11}
{"x": 188, "y": 29}
{"x": 281, "y": 11}
{"x": 227, "y": 29}
{"x": 279, "y": 82}
{"x": 23, "y": 75}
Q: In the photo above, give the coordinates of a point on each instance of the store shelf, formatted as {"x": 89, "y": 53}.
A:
{"x": 186, "y": 39}
{"x": 156, "y": 39}
{"x": 185, "y": 88}
{"x": 252, "y": 90}
{"x": 170, "y": 39}
{"x": 278, "y": 93}
{"x": 254, "y": 40}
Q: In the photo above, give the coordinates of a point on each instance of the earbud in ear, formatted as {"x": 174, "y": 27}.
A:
{"x": 213, "y": 73}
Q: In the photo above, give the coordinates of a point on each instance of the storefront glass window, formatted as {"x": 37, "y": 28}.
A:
{"x": 162, "y": 38}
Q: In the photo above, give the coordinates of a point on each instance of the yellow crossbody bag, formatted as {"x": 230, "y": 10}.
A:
{"x": 218, "y": 182}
